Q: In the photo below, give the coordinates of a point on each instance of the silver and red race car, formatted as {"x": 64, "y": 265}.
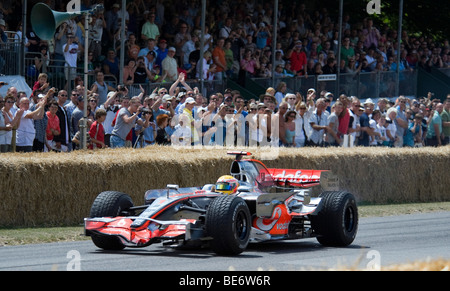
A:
{"x": 251, "y": 204}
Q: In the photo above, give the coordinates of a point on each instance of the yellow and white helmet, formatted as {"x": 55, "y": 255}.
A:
{"x": 227, "y": 185}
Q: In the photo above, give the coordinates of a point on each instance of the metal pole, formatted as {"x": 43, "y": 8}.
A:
{"x": 399, "y": 40}
{"x": 13, "y": 140}
{"x": 83, "y": 126}
{"x": 338, "y": 81}
{"x": 24, "y": 32}
{"x": 202, "y": 45}
{"x": 122, "y": 42}
{"x": 274, "y": 39}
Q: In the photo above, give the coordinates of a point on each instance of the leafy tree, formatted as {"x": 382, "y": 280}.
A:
{"x": 420, "y": 17}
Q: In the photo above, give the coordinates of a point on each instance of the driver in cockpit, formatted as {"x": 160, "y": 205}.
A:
{"x": 227, "y": 185}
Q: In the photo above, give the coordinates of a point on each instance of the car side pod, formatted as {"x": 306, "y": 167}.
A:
{"x": 301, "y": 202}
{"x": 266, "y": 203}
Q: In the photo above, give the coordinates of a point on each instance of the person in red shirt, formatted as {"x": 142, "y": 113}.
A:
{"x": 344, "y": 117}
{"x": 218, "y": 55}
{"x": 97, "y": 132}
{"x": 42, "y": 83}
{"x": 53, "y": 128}
{"x": 298, "y": 59}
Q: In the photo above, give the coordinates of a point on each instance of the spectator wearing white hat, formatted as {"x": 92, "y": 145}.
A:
{"x": 162, "y": 104}
{"x": 170, "y": 66}
{"x": 188, "y": 112}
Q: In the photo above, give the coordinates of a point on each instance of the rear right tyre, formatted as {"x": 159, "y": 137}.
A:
{"x": 337, "y": 222}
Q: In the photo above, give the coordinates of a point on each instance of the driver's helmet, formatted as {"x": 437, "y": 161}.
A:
{"x": 227, "y": 185}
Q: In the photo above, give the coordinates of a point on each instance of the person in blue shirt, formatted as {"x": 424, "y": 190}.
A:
{"x": 414, "y": 131}
{"x": 145, "y": 135}
{"x": 262, "y": 34}
{"x": 435, "y": 127}
{"x": 161, "y": 52}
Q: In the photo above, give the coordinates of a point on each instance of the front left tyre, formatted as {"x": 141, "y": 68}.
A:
{"x": 228, "y": 222}
{"x": 109, "y": 204}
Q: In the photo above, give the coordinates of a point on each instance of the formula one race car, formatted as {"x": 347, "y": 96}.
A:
{"x": 252, "y": 204}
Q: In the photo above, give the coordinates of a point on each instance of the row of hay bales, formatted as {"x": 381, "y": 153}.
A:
{"x": 58, "y": 189}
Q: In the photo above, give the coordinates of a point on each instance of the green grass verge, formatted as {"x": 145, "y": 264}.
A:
{"x": 21, "y": 236}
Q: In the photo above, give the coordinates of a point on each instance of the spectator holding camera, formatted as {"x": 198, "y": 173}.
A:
{"x": 297, "y": 56}
{"x": 26, "y": 132}
{"x": 250, "y": 62}
{"x": 434, "y": 131}
{"x": 445, "y": 115}
{"x": 146, "y": 135}
{"x": 126, "y": 119}
{"x": 262, "y": 34}
{"x": 70, "y": 50}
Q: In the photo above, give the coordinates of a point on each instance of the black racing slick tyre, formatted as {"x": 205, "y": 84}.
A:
{"x": 109, "y": 204}
{"x": 228, "y": 222}
{"x": 336, "y": 224}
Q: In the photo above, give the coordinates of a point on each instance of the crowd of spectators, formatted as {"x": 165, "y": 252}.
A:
{"x": 182, "y": 116}
{"x": 162, "y": 45}
{"x": 238, "y": 36}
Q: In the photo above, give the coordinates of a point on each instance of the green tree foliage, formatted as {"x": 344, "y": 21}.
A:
{"x": 420, "y": 17}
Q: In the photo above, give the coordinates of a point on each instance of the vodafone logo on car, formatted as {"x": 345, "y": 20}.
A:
{"x": 268, "y": 224}
{"x": 294, "y": 176}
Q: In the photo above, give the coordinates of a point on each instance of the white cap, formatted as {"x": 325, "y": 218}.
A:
{"x": 202, "y": 109}
{"x": 166, "y": 98}
{"x": 369, "y": 101}
{"x": 190, "y": 100}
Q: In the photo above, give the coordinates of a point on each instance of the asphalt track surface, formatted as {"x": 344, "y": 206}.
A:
{"x": 380, "y": 241}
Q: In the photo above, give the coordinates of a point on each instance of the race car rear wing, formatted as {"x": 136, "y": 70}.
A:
{"x": 305, "y": 178}
{"x": 296, "y": 178}
{"x": 281, "y": 177}
{"x": 239, "y": 154}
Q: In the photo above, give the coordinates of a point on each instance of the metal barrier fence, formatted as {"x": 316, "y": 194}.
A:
{"x": 10, "y": 53}
{"x": 364, "y": 85}
{"x": 35, "y": 63}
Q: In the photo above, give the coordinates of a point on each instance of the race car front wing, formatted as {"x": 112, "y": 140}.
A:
{"x": 153, "y": 230}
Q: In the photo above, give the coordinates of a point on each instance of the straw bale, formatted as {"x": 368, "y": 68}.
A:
{"x": 58, "y": 189}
